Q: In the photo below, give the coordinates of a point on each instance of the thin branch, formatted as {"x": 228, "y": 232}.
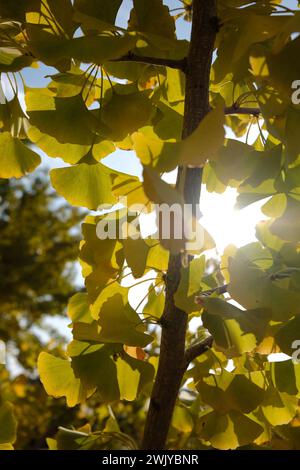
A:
{"x": 242, "y": 110}
{"x": 216, "y": 290}
{"x": 197, "y": 349}
{"x": 179, "y": 64}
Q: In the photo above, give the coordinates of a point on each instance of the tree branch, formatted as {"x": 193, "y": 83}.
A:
{"x": 242, "y": 110}
{"x": 197, "y": 349}
{"x": 172, "y": 363}
{"x": 216, "y": 290}
{"x": 179, "y": 64}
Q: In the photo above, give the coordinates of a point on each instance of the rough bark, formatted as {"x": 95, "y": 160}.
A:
{"x": 172, "y": 361}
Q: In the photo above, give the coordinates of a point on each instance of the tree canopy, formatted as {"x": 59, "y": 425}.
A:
{"x": 179, "y": 105}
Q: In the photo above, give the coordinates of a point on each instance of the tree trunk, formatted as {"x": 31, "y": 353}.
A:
{"x": 172, "y": 363}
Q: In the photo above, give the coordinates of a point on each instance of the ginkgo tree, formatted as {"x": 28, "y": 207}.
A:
{"x": 170, "y": 101}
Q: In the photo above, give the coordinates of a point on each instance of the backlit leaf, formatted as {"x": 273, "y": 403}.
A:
{"x": 16, "y": 159}
{"x": 83, "y": 185}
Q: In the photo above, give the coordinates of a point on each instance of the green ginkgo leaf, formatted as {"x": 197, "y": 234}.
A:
{"x": 155, "y": 303}
{"x": 83, "y": 185}
{"x": 70, "y": 153}
{"x": 287, "y": 227}
{"x": 102, "y": 258}
{"x": 182, "y": 420}
{"x": 78, "y": 308}
{"x": 99, "y": 49}
{"x": 108, "y": 291}
{"x": 16, "y": 159}
{"x": 229, "y": 392}
{"x": 95, "y": 365}
{"x": 142, "y": 18}
{"x": 50, "y": 48}
{"x": 178, "y": 228}
{"x": 133, "y": 376}
{"x": 234, "y": 330}
{"x": 203, "y": 144}
{"x": 253, "y": 286}
{"x": 190, "y": 285}
{"x": 66, "y": 119}
{"x": 104, "y": 10}
{"x": 58, "y": 379}
{"x": 286, "y": 376}
{"x": 12, "y": 60}
{"x": 287, "y": 335}
{"x": 279, "y": 408}
{"x": 117, "y": 323}
{"x": 8, "y": 424}
{"x": 108, "y": 368}
{"x": 229, "y": 431}
{"x": 126, "y": 113}
{"x": 136, "y": 254}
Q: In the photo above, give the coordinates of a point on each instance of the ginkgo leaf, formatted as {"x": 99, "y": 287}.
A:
{"x": 235, "y": 162}
{"x": 104, "y": 10}
{"x": 286, "y": 377}
{"x": 234, "y": 330}
{"x": 83, "y": 185}
{"x": 73, "y": 83}
{"x": 136, "y": 253}
{"x": 16, "y": 159}
{"x": 99, "y": 49}
{"x": 142, "y": 18}
{"x": 291, "y": 133}
{"x": 84, "y": 439}
{"x": 117, "y": 323}
{"x": 155, "y": 303}
{"x": 175, "y": 85}
{"x": 281, "y": 75}
{"x": 126, "y": 113}
{"x": 279, "y": 408}
{"x": 78, "y": 308}
{"x": 229, "y": 431}
{"x": 168, "y": 121}
{"x": 96, "y": 367}
{"x": 66, "y": 119}
{"x": 51, "y": 48}
{"x": 103, "y": 258}
{"x": 106, "y": 293}
{"x": 190, "y": 285}
{"x": 287, "y": 335}
{"x": 133, "y": 375}
{"x": 232, "y": 392}
{"x": 182, "y": 420}
{"x": 171, "y": 231}
{"x": 70, "y": 153}
{"x": 13, "y": 61}
{"x": 58, "y": 379}
{"x": 8, "y": 424}
{"x": 203, "y": 144}
{"x": 253, "y": 287}
{"x": 260, "y": 27}
{"x": 129, "y": 187}
{"x": 106, "y": 367}
{"x": 287, "y": 227}
{"x": 178, "y": 228}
